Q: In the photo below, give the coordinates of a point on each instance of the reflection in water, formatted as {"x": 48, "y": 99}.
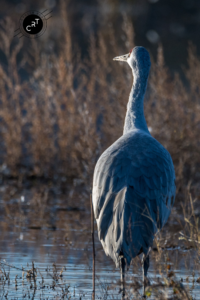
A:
{"x": 54, "y": 234}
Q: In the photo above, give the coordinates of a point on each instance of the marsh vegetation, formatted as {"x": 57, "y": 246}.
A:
{"x": 55, "y": 121}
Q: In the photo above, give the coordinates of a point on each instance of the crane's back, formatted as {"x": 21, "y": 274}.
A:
{"x": 133, "y": 192}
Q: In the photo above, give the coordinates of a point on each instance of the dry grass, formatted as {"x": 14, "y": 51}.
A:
{"x": 59, "y": 120}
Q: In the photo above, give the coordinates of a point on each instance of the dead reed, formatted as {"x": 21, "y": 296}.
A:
{"x": 68, "y": 110}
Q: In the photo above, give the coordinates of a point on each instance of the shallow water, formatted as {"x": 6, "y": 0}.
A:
{"x": 47, "y": 247}
{"x": 61, "y": 240}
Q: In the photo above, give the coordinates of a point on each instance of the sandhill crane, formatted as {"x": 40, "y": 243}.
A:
{"x": 134, "y": 180}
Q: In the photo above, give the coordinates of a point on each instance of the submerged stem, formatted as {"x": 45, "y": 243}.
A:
{"x": 123, "y": 277}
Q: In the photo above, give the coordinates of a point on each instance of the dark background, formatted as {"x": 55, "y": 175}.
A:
{"x": 170, "y": 22}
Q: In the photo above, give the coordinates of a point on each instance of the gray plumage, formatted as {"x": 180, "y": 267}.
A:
{"x": 134, "y": 179}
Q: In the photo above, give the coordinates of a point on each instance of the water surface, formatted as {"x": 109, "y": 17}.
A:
{"x": 56, "y": 236}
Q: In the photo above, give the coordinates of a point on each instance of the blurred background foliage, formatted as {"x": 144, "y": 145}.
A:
{"x": 63, "y": 99}
{"x": 170, "y": 22}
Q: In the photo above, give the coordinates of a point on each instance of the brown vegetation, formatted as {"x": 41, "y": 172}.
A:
{"x": 59, "y": 120}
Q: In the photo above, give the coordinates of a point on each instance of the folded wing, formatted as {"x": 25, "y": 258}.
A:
{"x": 133, "y": 192}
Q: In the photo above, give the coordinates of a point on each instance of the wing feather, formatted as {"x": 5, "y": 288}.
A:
{"x": 133, "y": 191}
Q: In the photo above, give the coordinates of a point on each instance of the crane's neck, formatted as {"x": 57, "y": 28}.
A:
{"x": 135, "y": 111}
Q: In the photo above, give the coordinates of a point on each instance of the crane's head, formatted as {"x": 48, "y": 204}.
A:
{"x": 138, "y": 59}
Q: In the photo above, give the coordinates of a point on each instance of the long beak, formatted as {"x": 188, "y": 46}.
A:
{"x": 122, "y": 58}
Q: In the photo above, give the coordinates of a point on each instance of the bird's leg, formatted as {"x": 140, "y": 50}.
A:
{"x": 145, "y": 266}
{"x": 122, "y": 267}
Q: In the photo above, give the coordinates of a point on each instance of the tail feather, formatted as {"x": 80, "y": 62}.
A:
{"x": 126, "y": 225}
